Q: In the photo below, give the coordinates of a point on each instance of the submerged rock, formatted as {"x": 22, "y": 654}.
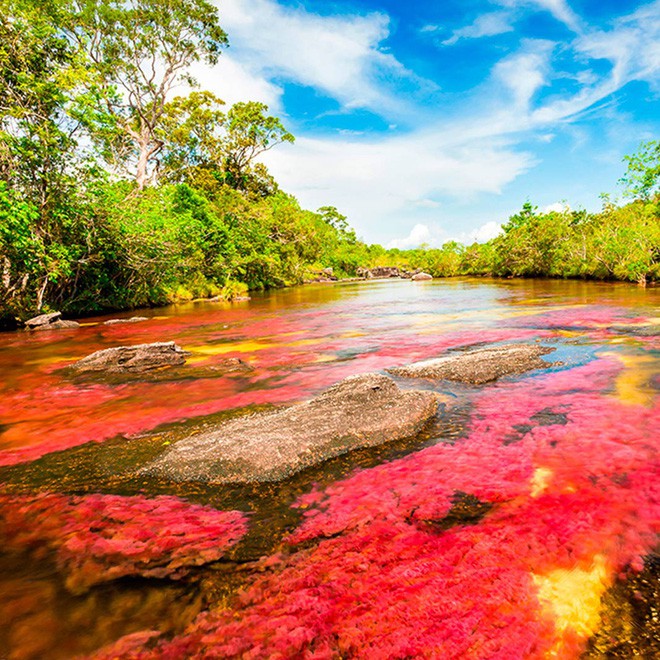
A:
{"x": 630, "y": 616}
{"x": 480, "y": 365}
{"x": 52, "y": 321}
{"x": 648, "y": 330}
{"x": 421, "y": 277}
{"x": 132, "y": 359}
{"x": 361, "y": 411}
{"x": 133, "y": 319}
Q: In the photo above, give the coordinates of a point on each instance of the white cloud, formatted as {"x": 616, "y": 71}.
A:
{"x": 418, "y": 234}
{"x": 524, "y": 73}
{"x": 557, "y": 207}
{"x": 560, "y": 9}
{"x": 381, "y": 185}
{"x": 486, "y": 25}
{"x": 232, "y": 81}
{"x": 340, "y": 56}
{"x": 485, "y": 232}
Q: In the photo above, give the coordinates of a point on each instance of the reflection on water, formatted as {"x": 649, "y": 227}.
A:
{"x": 508, "y": 528}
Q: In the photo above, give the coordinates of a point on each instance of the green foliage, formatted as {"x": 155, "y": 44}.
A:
{"x": 642, "y": 179}
{"x": 136, "y": 52}
{"x": 113, "y": 196}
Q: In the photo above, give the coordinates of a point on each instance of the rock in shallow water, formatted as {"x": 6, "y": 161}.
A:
{"x": 361, "y": 411}
{"x": 50, "y": 321}
{"x": 132, "y": 319}
{"x": 132, "y": 359}
{"x": 480, "y": 365}
{"x": 421, "y": 277}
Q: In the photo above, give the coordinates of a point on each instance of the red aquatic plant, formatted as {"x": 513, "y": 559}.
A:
{"x": 97, "y": 538}
{"x": 572, "y": 478}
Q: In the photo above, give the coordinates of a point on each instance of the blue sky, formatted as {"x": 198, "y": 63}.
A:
{"x": 428, "y": 121}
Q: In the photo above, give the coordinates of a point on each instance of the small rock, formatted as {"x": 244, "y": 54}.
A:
{"x": 240, "y": 298}
{"x": 132, "y": 359}
{"x": 50, "y": 321}
{"x": 231, "y": 365}
{"x": 478, "y": 366}
{"x": 421, "y": 277}
{"x": 42, "y": 319}
{"x": 361, "y": 411}
{"x": 133, "y": 319}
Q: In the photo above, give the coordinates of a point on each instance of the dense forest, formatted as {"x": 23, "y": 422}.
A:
{"x": 115, "y": 192}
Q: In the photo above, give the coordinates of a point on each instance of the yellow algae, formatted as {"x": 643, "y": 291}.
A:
{"x": 325, "y": 358}
{"x": 632, "y": 384}
{"x": 573, "y": 598}
{"x": 540, "y": 481}
{"x": 239, "y": 347}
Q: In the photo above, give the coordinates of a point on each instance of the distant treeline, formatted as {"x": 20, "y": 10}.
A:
{"x": 115, "y": 193}
{"x": 619, "y": 243}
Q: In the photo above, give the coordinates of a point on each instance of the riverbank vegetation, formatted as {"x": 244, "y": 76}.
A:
{"x": 122, "y": 184}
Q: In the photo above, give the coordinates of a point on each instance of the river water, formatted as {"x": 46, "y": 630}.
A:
{"x": 521, "y": 522}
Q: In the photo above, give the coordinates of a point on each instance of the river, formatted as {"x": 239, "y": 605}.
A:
{"x": 521, "y": 522}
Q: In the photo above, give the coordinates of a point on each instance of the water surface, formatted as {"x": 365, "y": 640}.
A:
{"x": 504, "y": 529}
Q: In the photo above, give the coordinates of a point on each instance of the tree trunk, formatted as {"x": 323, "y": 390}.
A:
{"x": 143, "y": 161}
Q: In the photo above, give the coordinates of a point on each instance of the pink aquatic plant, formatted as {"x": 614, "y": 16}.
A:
{"x": 97, "y": 538}
{"x": 44, "y": 411}
{"x": 572, "y": 478}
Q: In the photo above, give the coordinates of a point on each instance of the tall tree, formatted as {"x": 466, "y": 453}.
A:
{"x": 250, "y": 133}
{"x": 198, "y": 135}
{"x": 642, "y": 180}
{"x": 140, "y": 50}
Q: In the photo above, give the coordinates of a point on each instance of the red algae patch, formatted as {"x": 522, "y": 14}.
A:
{"x": 575, "y": 502}
{"x": 97, "y": 538}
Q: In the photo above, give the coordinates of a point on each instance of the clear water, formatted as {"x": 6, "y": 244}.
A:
{"x": 573, "y": 446}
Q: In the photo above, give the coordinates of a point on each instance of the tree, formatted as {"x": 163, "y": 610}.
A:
{"x": 40, "y": 166}
{"x": 140, "y": 50}
{"x": 250, "y": 132}
{"x": 642, "y": 180}
{"x": 338, "y": 221}
{"x": 191, "y": 130}
{"x": 197, "y": 135}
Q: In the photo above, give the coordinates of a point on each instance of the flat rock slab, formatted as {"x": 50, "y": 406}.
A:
{"x": 479, "y": 365}
{"x": 361, "y": 411}
{"x": 132, "y": 359}
{"x": 133, "y": 319}
{"x": 50, "y": 321}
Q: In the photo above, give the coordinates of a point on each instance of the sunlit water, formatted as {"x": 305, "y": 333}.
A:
{"x": 509, "y": 527}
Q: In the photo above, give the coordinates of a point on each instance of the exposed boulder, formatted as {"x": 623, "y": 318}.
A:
{"x": 421, "y": 277}
{"x": 361, "y": 411}
{"x": 133, "y": 319}
{"x": 52, "y": 321}
{"x": 379, "y": 272}
{"x": 132, "y": 359}
{"x": 479, "y": 365}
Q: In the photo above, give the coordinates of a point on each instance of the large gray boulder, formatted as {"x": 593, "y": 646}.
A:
{"x": 361, "y": 411}
{"x": 132, "y": 359}
{"x": 421, "y": 277}
{"x": 52, "y": 321}
{"x": 479, "y": 365}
